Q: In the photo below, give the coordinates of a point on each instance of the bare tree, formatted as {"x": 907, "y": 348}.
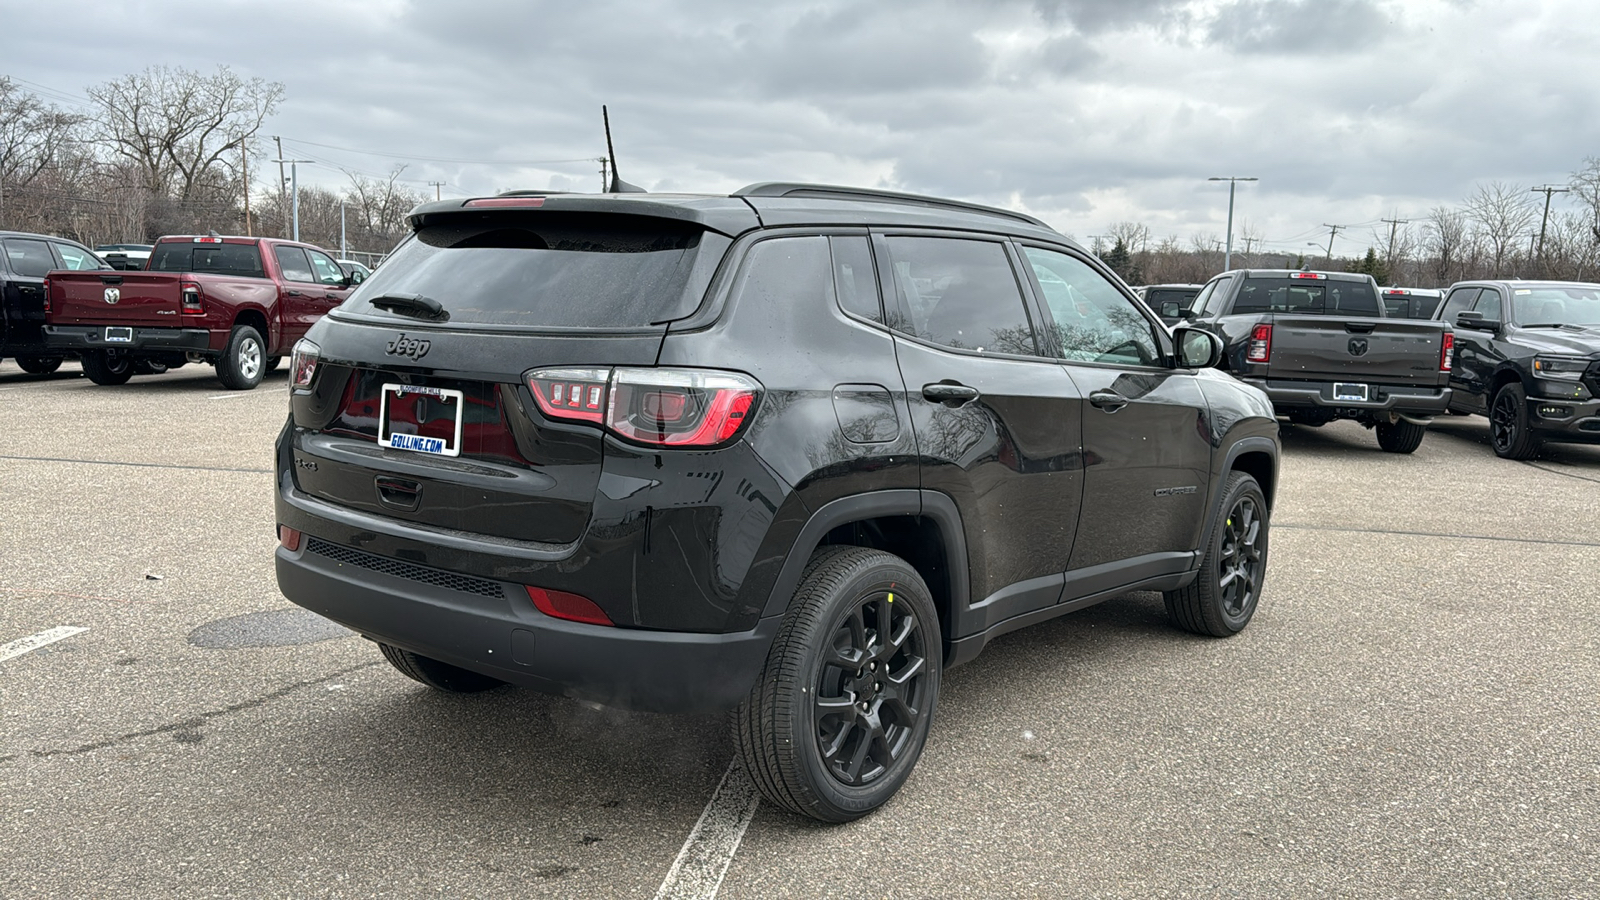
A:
{"x": 33, "y": 137}
{"x": 1444, "y": 232}
{"x": 1501, "y": 215}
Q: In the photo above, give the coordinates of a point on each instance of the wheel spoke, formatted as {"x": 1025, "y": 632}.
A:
{"x": 897, "y": 637}
{"x": 858, "y": 633}
{"x": 907, "y": 672}
{"x": 852, "y": 770}
{"x": 830, "y": 748}
{"x": 833, "y": 706}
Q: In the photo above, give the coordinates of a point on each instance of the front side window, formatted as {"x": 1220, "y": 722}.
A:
{"x": 1489, "y": 304}
{"x": 292, "y": 262}
{"x": 960, "y": 294}
{"x": 1459, "y": 301}
{"x": 1093, "y": 321}
{"x": 78, "y": 259}
{"x": 326, "y": 270}
{"x": 30, "y": 259}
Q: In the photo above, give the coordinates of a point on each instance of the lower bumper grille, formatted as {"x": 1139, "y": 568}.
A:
{"x": 466, "y": 584}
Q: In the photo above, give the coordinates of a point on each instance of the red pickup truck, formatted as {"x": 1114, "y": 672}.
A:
{"x": 237, "y": 303}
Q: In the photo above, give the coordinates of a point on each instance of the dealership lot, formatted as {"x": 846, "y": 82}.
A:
{"x": 1412, "y": 712}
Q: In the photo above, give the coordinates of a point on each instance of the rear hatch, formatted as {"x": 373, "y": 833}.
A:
{"x": 108, "y": 297}
{"x": 420, "y": 406}
{"x": 1327, "y": 327}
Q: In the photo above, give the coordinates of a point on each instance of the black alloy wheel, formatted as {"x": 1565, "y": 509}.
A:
{"x": 870, "y": 689}
{"x": 38, "y": 365}
{"x": 1223, "y": 597}
{"x": 107, "y": 367}
{"x": 839, "y": 716}
{"x": 1508, "y": 424}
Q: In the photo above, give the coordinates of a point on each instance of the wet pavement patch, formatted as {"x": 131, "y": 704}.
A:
{"x": 272, "y": 628}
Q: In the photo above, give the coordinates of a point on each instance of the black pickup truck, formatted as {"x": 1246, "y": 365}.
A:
{"x": 1322, "y": 348}
{"x": 24, "y": 260}
{"x": 1528, "y": 357}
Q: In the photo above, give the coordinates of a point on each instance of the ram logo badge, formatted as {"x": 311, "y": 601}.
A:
{"x": 1358, "y": 346}
{"x": 113, "y": 295}
{"x": 404, "y": 346}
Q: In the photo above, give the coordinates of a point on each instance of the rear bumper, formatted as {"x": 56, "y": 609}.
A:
{"x": 1412, "y": 401}
{"x": 493, "y": 628}
{"x": 93, "y": 337}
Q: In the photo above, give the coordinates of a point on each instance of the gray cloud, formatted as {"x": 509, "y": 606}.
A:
{"x": 1291, "y": 27}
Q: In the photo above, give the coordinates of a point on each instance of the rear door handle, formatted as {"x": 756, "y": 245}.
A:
{"x": 1110, "y": 401}
{"x": 949, "y": 393}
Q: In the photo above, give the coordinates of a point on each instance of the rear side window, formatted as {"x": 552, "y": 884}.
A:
{"x": 292, "y": 263}
{"x": 552, "y": 270}
{"x": 961, "y": 294}
{"x": 854, "y": 279}
{"x": 240, "y": 260}
{"x": 30, "y": 259}
{"x": 1306, "y": 296}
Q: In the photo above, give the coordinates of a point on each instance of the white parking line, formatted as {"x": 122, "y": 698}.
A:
{"x": 234, "y": 395}
{"x": 697, "y": 872}
{"x": 33, "y": 642}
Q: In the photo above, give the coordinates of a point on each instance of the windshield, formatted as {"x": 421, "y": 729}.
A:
{"x": 1306, "y": 296}
{"x": 552, "y": 270}
{"x": 1576, "y": 305}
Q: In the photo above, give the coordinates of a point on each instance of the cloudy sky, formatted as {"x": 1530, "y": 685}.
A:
{"x": 1083, "y": 112}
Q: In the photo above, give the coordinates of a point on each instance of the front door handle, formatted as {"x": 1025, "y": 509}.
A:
{"x": 292, "y": 292}
{"x": 949, "y": 393}
{"x": 1108, "y": 400}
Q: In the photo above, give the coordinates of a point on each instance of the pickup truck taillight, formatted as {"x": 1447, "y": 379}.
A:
{"x": 1446, "y": 351}
{"x": 657, "y": 407}
{"x": 193, "y": 300}
{"x": 47, "y": 296}
{"x": 1260, "y": 349}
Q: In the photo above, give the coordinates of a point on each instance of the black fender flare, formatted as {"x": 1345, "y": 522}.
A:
{"x": 859, "y": 507}
{"x": 1235, "y": 450}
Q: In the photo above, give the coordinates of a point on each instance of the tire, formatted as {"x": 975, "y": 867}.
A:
{"x": 38, "y": 365}
{"x": 105, "y": 367}
{"x": 808, "y": 694}
{"x": 149, "y": 367}
{"x": 1223, "y": 597}
{"x": 438, "y": 675}
{"x": 1509, "y": 433}
{"x": 1400, "y": 437}
{"x": 272, "y": 364}
{"x": 243, "y": 363}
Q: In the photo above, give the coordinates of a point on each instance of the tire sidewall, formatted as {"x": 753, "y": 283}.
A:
{"x": 229, "y": 371}
{"x": 889, "y": 573}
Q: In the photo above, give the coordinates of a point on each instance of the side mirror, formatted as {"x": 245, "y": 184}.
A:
{"x": 1197, "y": 349}
{"x": 1170, "y": 309}
{"x": 1476, "y": 322}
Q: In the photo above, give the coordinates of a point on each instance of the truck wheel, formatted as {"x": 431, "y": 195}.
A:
{"x": 1401, "y": 436}
{"x": 1508, "y": 424}
{"x": 38, "y": 365}
{"x": 149, "y": 367}
{"x": 107, "y": 367}
{"x": 1223, "y": 596}
{"x": 272, "y": 363}
{"x": 243, "y": 363}
{"x": 438, "y": 675}
{"x": 838, "y": 717}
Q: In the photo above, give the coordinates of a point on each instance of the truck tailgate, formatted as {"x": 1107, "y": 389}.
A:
{"x": 1367, "y": 350}
{"x": 114, "y": 298}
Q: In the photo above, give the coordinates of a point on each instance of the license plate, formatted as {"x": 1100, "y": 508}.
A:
{"x": 119, "y": 335}
{"x": 421, "y": 419}
{"x": 1356, "y": 392}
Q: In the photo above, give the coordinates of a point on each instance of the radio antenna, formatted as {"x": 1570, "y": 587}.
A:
{"x": 617, "y": 186}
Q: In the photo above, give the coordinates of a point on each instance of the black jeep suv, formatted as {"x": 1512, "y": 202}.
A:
{"x": 1528, "y": 357}
{"x": 797, "y": 450}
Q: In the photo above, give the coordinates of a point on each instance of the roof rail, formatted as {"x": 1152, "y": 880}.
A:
{"x": 839, "y": 192}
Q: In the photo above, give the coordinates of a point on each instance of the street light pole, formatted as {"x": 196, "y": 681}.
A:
{"x": 294, "y": 188}
{"x": 1232, "y": 180}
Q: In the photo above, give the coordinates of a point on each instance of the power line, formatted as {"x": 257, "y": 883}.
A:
{"x": 447, "y": 159}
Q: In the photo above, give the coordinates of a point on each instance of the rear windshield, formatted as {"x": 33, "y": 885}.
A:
{"x": 1305, "y": 296}
{"x": 1181, "y": 296}
{"x": 1410, "y": 306}
{"x": 552, "y": 270}
{"x": 243, "y": 260}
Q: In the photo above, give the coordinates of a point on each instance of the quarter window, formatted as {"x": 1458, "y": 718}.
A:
{"x": 1094, "y": 322}
{"x": 959, "y": 293}
{"x": 854, "y": 279}
{"x": 791, "y": 272}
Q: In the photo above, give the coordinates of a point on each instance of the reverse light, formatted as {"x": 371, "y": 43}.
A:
{"x": 303, "y": 363}
{"x": 1446, "y": 353}
{"x": 572, "y": 607}
{"x": 1260, "y": 349}
{"x": 656, "y": 407}
{"x": 1565, "y": 368}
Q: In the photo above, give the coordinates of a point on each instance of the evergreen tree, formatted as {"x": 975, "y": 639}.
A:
{"x": 1371, "y": 265}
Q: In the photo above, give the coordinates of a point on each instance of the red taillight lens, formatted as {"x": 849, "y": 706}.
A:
{"x": 303, "y": 363}
{"x": 572, "y": 607}
{"x": 577, "y": 394}
{"x": 47, "y": 295}
{"x": 1260, "y": 344}
{"x": 1314, "y": 276}
{"x": 288, "y": 538}
{"x": 1446, "y": 352}
{"x": 193, "y": 299}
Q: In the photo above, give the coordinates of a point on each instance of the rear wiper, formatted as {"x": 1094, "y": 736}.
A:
{"x": 415, "y": 305}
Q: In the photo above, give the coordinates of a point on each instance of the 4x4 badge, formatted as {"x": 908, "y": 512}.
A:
{"x": 1358, "y": 346}
{"x": 404, "y": 346}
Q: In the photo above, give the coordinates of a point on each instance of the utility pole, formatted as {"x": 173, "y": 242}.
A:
{"x": 1332, "y": 230}
{"x": 344, "y": 247}
{"x": 294, "y": 181}
{"x": 1547, "y": 190}
{"x": 244, "y": 164}
{"x": 1393, "y": 225}
{"x": 605, "y": 172}
{"x": 437, "y": 186}
{"x": 1232, "y": 180}
{"x": 281, "y": 179}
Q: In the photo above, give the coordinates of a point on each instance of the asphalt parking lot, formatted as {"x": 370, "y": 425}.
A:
{"x": 1413, "y": 711}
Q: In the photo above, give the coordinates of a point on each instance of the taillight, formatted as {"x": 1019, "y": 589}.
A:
{"x": 572, "y": 607}
{"x": 288, "y": 538}
{"x": 657, "y": 407}
{"x": 1445, "y": 352}
{"x": 303, "y": 363}
{"x": 47, "y": 295}
{"x": 1313, "y": 276}
{"x": 193, "y": 300}
{"x": 1260, "y": 344}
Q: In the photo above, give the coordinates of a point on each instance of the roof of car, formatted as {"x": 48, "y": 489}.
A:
{"x": 1170, "y": 287}
{"x": 1414, "y": 292}
{"x": 770, "y": 204}
{"x": 1286, "y": 273}
{"x": 36, "y": 236}
{"x": 1514, "y": 283}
